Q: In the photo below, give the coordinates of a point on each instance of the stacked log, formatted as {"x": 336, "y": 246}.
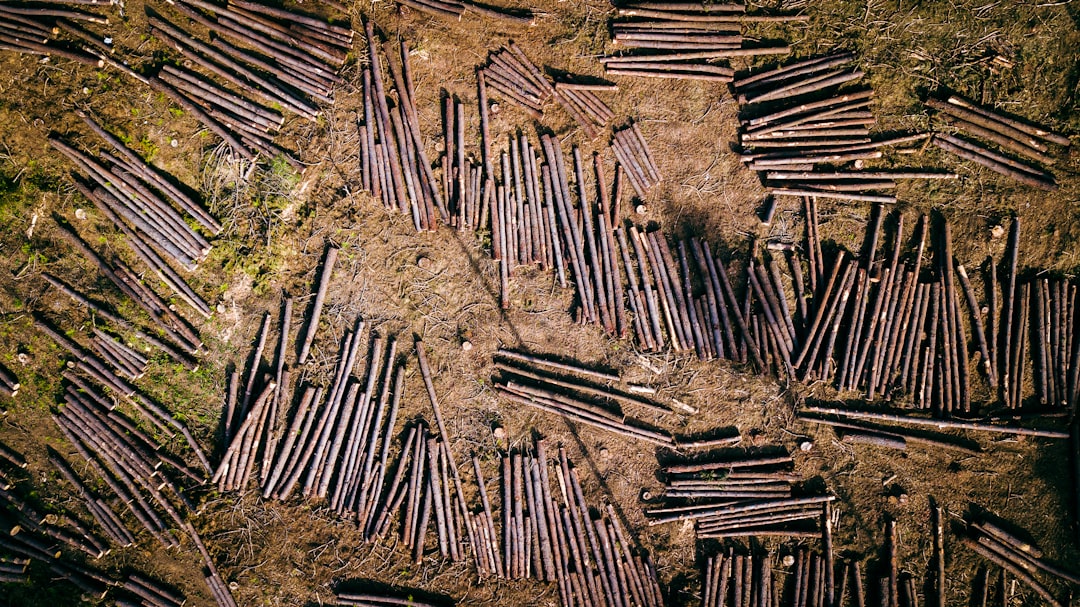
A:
{"x": 143, "y": 249}
{"x": 33, "y": 29}
{"x": 120, "y": 323}
{"x": 816, "y": 579}
{"x": 119, "y": 355}
{"x": 393, "y": 163}
{"x": 742, "y": 496}
{"x": 801, "y": 115}
{"x": 13, "y": 571}
{"x": 463, "y": 177}
{"x": 88, "y": 364}
{"x": 573, "y": 399}
{"x": 286, "y": 58}
{"x": 1003, "y": 544}
{"x": 633, "y": 154}
{"x": 455, "y": 10}
{"x": 383, "y": 599}
{"x": 521, "y": 213}
{"x": 904, "y": 334}
{"x": 175, "y": 327}
{"x": 554, "y": 537}
{"x": 1012, "y": 138}
{"x": 747, "y": 577}
{"x": 130, "y": 463}
{"x": 681, "y": 40}
{"x": 584, "y": 105}
{"x": 248, "y": 126}
{"x": 100, "y": 509}
{"x": 53, "y": 539}
{"x": 134, "y": 194}
{"x": 250, "y": 422}
{"x": 708, "y": 320}
{"x": 512, "y": 76}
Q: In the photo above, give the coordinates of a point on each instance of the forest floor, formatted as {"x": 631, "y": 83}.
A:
{"x": 1021, "y": 57}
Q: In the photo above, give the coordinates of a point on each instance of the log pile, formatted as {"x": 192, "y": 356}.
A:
{"x": 64, "y": 530}
{"x": 805, "y": 114}
{"x": 747, "y": 496}
{"x": 33, "y": 28}
{"x": 747, "y": 578}
{"x": 682, "y": 39}
{"x": 286, "y": 58}
{"x": 171, "y": 324}
{"x": 13, "y": 570}
{"x": 455, "y": 10}
{"x": 367, "y": 599}
{"x": 580, "y": 100}
{"x": 588, "y": 242}
{"x": 130, "y": 464}
{"x": 53, "y": 539}
{"x": 713, "y": 323}
{"x": 810, "y": 578}
{"x": 633, "y": 154}
{"x": 528, "y": 380}
{"x": 523, "y": 226}
{"x": 338, "y": 443}
{"x": 1009, "y": 548}
{"x": 120, "y": 356}
{"x": 9, "y": 384}
{"x": 906, "y": 329}
{"x": 464, "y": 186}
{"x": 337, "y": 437}
{"x": 100, "y": 509}
{"x": 120, "y": 323}
{"x": 512, "y": 76}
{"x": 248, "y": 126}
{"x": 554, "y": 537}
{"x": 1013, "y": 138}
{"x": 394, "y": 166}
{"x": 89, "y": 364}
{"x": 148, "y": 210}
{"x": 134, "y": 195}
{"x": 905, "y": 334}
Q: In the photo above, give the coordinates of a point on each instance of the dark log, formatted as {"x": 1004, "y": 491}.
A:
{"x": 1001, "y": 560}
{"x": 1037, "y": 131}
{"x": 940, "y": 424}
{"x": 995, "y": 162}
{"x": 980, "y": 120}
{"x": 799, "y": 68}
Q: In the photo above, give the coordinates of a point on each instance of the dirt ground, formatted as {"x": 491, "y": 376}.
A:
{"x": 1018, "y": 56}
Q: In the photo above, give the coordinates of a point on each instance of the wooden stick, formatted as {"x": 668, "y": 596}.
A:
{"x": 316, "y": 309}
{"x": 940, "y": 424}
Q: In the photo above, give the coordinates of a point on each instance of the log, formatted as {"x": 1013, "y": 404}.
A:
{"x": 1016, "y": 124}
{"x": 940, "y": 424}
{"x": 316, "y": 308}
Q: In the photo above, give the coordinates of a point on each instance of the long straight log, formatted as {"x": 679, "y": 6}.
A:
{"x": 940, "y": 424}
{"x": 316, "y": 308}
